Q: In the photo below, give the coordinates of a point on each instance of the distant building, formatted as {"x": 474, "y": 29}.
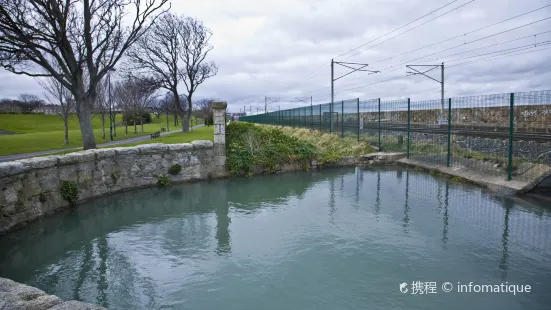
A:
{"x": 49, "y": 109}
{"x": 9, "y": 106}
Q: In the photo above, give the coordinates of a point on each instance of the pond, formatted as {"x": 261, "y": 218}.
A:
{"x": 335, "y": 239}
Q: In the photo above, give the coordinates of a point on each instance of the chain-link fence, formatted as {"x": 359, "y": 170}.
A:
{"x": 504, "y": 135}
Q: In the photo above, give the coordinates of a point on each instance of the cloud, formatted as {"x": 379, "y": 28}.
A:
{"x": 273, "y": 48}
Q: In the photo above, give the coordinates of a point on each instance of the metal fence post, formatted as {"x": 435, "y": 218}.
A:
{"x": 358, "y": 115}
{"x": 449, "y": 132}
{"x": 321, "y": 120}
{"x": 511, "y": 132}
{"x": 409, "y": 124}
{"x": 379, "y": 126}
{"x": 342, "y": 119}
{"x": 312, "y": 115}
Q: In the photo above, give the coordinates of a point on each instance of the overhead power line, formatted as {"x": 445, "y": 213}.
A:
{"x": 411, "y": 22}
{"x": 507, "y": 54}
{"x": 384, "y": 35}
{"x": 454, "y": 9}
{"x": 462, "y": 35}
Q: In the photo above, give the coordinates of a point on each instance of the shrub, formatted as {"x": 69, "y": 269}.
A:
{"x": 249, "y": 146}
{"x": 69, "y": 191}
{"x": 175, "y": 169}
{"x": 457, "y": 179}
{"x": 434, "y": 172}
{"x": 130, "y": 117}
{"x": 163, "y": 181}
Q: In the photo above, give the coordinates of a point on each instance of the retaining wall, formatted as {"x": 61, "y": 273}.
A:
{"x": 31, "y": 188}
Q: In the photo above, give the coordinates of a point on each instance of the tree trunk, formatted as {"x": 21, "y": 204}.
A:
{"x": 186, "y": 122}
{"x": 135, "y": 124}
{"x": 141, "y": 123}
{"x": 66, "y": 125}
{"x": 185, "y": 125}
{"x": 84, "y": 104}
{"x": 126, "y": 128}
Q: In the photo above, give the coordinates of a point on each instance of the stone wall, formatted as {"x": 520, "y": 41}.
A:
{"x": 31, "y": 188}
{"x": 18, "y": 296}
{"x": 532, "y": 118}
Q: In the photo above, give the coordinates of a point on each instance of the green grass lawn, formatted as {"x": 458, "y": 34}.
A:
{"x": 36, "y": 132}
{"x": 201, "y": 133}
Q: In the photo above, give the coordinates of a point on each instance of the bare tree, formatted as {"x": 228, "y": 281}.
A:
{"x": 134, "y": 96}
{"x": 28, "y": 102}
{"x": 56, "y": 93}
{"x": 77, "y": 36}
{"x": 101, "y": 105}
{"x": 156, "y": 107}
{"x": 203, "y": 109}
{"x": 174, "y": 51}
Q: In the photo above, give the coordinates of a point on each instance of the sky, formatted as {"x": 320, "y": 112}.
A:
{"x": 283, "y": 49}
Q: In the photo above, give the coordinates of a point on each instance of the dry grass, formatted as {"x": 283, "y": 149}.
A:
{"x": 330, "y": 147}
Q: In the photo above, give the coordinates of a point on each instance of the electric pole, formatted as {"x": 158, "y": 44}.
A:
{"x": 351, "y": 65}
{"x": 268, "y": 101}
{"x": 442, "y": 121}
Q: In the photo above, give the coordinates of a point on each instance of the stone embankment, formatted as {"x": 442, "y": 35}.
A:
{"x": 17, "y": 296}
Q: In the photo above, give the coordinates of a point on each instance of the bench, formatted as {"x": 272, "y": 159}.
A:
{"x": 156, "y": 135}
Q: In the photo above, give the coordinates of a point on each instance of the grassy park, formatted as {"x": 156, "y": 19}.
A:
{"x": 29, "y": 133}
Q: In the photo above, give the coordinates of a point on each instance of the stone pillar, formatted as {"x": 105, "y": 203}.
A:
{"x": 219, "y": 111}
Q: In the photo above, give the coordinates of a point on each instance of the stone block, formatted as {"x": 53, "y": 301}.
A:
{"x": 219, "y": 119}
{"x": 153, "y": 148}
{"x": 219, "y": 105}
{"x": 180, "y": 147}
{"x": 105, "y": 153}
{"x": 220, "y": 139}
{"x": 220, "y": 129}
{"x": 10, "y": 168}
{"x": 219, "y": 160}
{"x": 11, "y": 195}
{"x": 202, "y": 144}
{"x": 40, "y": 162}
{"x": 77, "y": 157}
{"x": 127, "y": 150}
{"x": 219, "y": 150}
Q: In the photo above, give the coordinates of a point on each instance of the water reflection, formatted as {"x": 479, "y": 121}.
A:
{"x": 406, "y": 205}
{"x": 129, "y": 246}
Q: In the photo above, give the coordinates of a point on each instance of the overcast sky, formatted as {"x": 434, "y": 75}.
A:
{"x": 273, "y": 48}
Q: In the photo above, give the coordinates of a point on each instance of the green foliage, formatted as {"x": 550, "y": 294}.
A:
{"x": 250, "y": 146}
{"x": 458, "y": 179}
{"x": 419, "y": 168}
{"x": 69, "y": 191}
{"x": 163, "y": 181}
{"x": 130, "y": 118}
{"x": 42, "y": 197}
{"x": 175, "y": 169}
{"x": 434, "y": 172}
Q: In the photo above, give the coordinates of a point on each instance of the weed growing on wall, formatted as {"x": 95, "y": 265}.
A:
{"x": 163, "y": 181}
{"x": 69, "y": 191}
{"x": 175, "y": 169}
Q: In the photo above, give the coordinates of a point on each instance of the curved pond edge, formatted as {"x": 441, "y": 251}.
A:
{"x": 14, "y": 295}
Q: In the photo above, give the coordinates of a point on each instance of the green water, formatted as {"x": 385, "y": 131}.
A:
{"x": 337, "y": 239}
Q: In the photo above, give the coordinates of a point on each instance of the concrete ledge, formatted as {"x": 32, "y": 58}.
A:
{"x": 495, "y": 184}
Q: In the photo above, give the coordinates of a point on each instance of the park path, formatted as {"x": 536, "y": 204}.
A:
{"x": 111, "y": 143}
